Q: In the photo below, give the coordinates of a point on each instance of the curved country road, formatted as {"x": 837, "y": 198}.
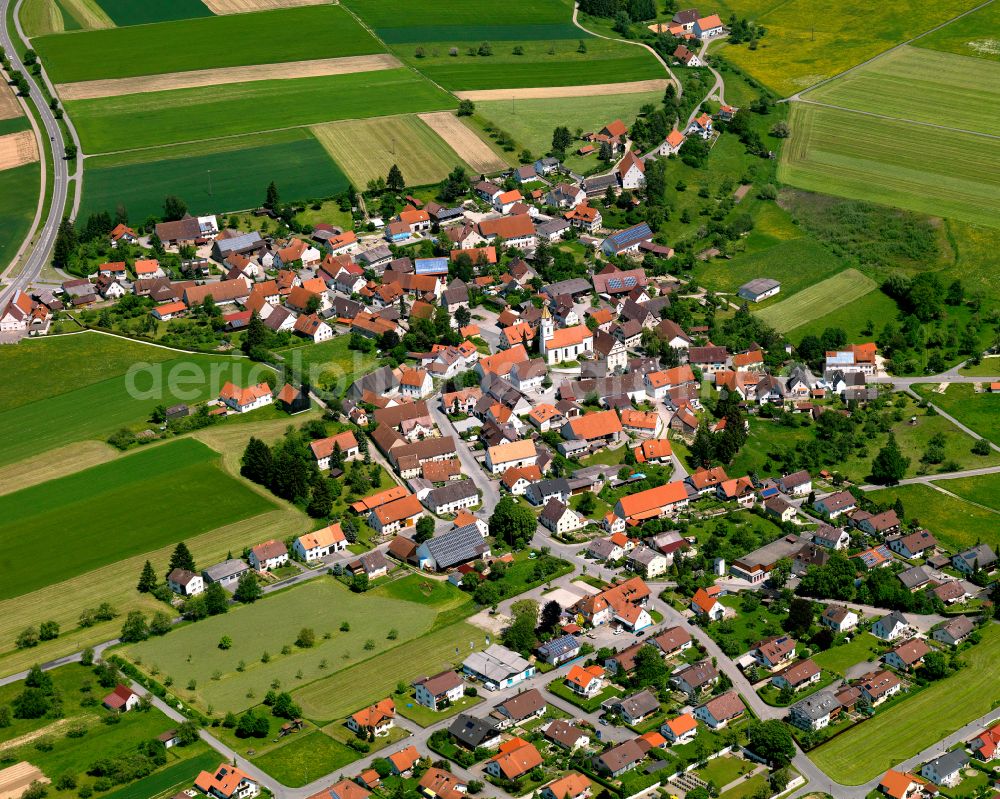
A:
{"x": 42, "y": 240}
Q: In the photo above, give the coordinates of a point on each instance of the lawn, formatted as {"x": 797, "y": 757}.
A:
{"x": 324, "y": 31}
{"x": 231, "y": 179}
{"x": 321, "y": 604}
{"x": 870, "y": 312}
{"x": 305, "y": 758}
{"x": 18, "y": 200}
{"x": 63, "y": 407}
{"x": 747, "y": 788}
{"x": 979, "y": 412}
{"x": 863, "y": 647}
{"x": 916, "y": 723}
{"x": 835, "y": 292}
{"x": 723, "y": 770}
{"x": 129, "y": 12}
{"x": 766, "y": 437}
{"x": 810, "y": 40}
{"x": 425, "y": 717}
{"x": 956, "y": 524}
{"x": 880, "y": 160}
{"x": 922, "y": 86}
{"x": 983, "y": 490}
{"x": 367, "y": 148}
{"x": 122, "y": 123}
{"x": 746, "y": 628}
{"x": 531, "y": 122}
{"x": 560, "y": 689}
{"x": 97, "y": 504}
{"x": 987, "y": 367}
{"x": 968, "y": 36}
{"x": 330, "y": 365}
{"x": 376, "y": 678}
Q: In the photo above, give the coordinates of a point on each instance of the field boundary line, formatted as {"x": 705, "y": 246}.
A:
{"x": 946, "y": 492}
{"x": 798, "y": 95}
{"x": 889, "y": 118}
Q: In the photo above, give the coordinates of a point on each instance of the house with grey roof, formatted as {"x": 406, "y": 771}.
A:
{"x": 954, "y": 631}
{"x": 453, "y": 548}
{"x": 814, "y": 712}
{"x": 497, "y": 667}
{"x": 914, "y": 578}
{"x": 559, "y": 650}
{"x": 890, "y": 626}
{"x": 541, "y": 492}
{"x": 639, "y": 706}
{"x": 227, "y": 573}
{"x": 972, "y": 560}
{"x": 473, "y": 733}
{"x": 946, "y": 769}
{"x": 451, "y": 497}
{"x": 759, "y": 289}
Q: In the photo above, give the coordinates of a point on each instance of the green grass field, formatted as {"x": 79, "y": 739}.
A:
{"x": 146, "y": 120}
{"x": 332, "y": 364}
{"x": 834, "y": 292}
{"x": 325, "y": 31}
{"x": 322, "y": 604}
{"x": 177, "y": 777}
{"x": 810, "y": 40}
{"x": 305, "y": 758}
{"x": 973, "y": 35}
{"x": 129, "y": 12}
{"x": 367, "y": 148}
{"x": 875, "y": 307}
{"x": 854, "y": 155}
{"x": 979, "y": 412}
{"x": 983, "y": 490}
{"x": 376, "y": 678}
{"x": 863, "y": 647}
{"x": 63, "y": 407}
{"x": 236, "y": 176}
{"x": 923, "y": 86}
{"x": 18, "y": 200}
{"x": 411, "y": 21}
{"x": 914, "y": 724}
{"x": 531, "y": 122}
{"x": 183, "y": 493}
{"x": 956, "y": 524}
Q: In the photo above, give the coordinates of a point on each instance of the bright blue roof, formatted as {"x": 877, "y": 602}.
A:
{"x": 431, "y": 266}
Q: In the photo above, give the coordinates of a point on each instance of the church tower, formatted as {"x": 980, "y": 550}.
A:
{"x": 546, "y": 329}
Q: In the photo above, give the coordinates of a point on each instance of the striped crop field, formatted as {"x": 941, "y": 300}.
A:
{"x": 922, "y": 86}
{"x": 932, "y": 171}
{"x": 827, "y": 295}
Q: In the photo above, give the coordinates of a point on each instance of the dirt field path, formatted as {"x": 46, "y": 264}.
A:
{"x": 27, "y": 738}
{"x": 548, "y": 92}
{"x": 245, "y": 6}
{"x": 470, "y": 148}
{"x": 17, "y": 149}
{"x": 115, "y": 87}
{"x": 9, "y": 106}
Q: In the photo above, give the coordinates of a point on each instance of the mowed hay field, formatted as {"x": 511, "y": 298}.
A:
{"x": 464, "y": 141}
{"x": 319, "y": 32}
{"x": 916, "y": 723}
{"x": 977, "y": 34}
{"x": 322, "y": 604}
{"x": 531, "y": 122}
{"x": 834, "y": 292}
{"x": 227, "y": 174}
{"x": 982, "y": 490}
{"x": 18, "y": 200}
{"x": 123, "y": 123}
{"x": 922, "y": 86}
{"x": 937, "y": 172}
{"x": 131, "y": 505}
{"x": 99, "y": 394}
{"x": 811, "y": 40}
{"x": 130, "y": 12}
{"x": 367, "y": 148}
{"x": 115, "y": 583}
{"x": 41, "y": 17}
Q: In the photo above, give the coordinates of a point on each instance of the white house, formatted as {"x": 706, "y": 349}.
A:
{"x": 185, "y": 583}
{"x": 631, "y": 171}
{"x": 839, "y": 618}
{"x": 718, "y": 712}
{"x": 319, "y": 544}
{"x": 680, "y": 730}
{"x": 439, "y": 691}
{"x": 890, "y": 627}
{"x": 515, "y": 454}
{"x": 946, "y": 769}
{"x": 559, "y": 517}
{"x": 323, "y": 449}
{"x": 244, "y": 400}
{"x": 269, "y": 555}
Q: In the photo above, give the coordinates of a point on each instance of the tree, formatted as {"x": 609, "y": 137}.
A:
{"x": 551, "y": 613}
{"x": 135, "y": 627}
{"x": 520, "y": 635}
{"x": 561, "y": 140}
{"x": 147, "y": 580}
{"x": 587, "y": 504}
{"x": 250, "y": 725}
{"x": 247, "y": 589}
{"x": 935, "y": 665}
{"x": 272, "y": 199}
{"x": 425, "y": 529}
{"x": 257, "y": 464}
{"x": 771, "y": 740}
{"x": 800, "y": 616}
{"x": 174, "y": 208}
{"x": 216, "y": 599}
{"x": 284, "y": 707}
{"x": 181, "y": 558}
{"x": 38, "y": 679}
{"x": 512, "y": 523}
{"x": 780, "y": 573}
{"x": 48, "y": 630}
{"x": 187, "y": 733}
{"x": 66, "y": 243}
{"x": 890, "y": 464}
{"x": 650, "y": 667}
{"x": 320, "y": 501}
{"x": 31, "y": 703}
{"x": 394, "y": 180}
{"x": 466, "y": 108}
{"x": 27, "y": 638}
{"x": 160, "y": 624}
{"x": 703, "y": 447}
{"x": 255, "y": 335}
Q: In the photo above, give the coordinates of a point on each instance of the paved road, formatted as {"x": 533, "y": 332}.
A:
{"x": 45, "y": 238}
{"x": 470, "y": 466}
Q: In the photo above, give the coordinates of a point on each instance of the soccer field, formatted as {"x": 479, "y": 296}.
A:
{"x": 367, "y": 148}
{"x": 886, "y": 161}
{"x": 130, "y": 505}
{"x": 827, "y": 295}
{"x": 923, "y": 86}
{"x": 916, "y": 723}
